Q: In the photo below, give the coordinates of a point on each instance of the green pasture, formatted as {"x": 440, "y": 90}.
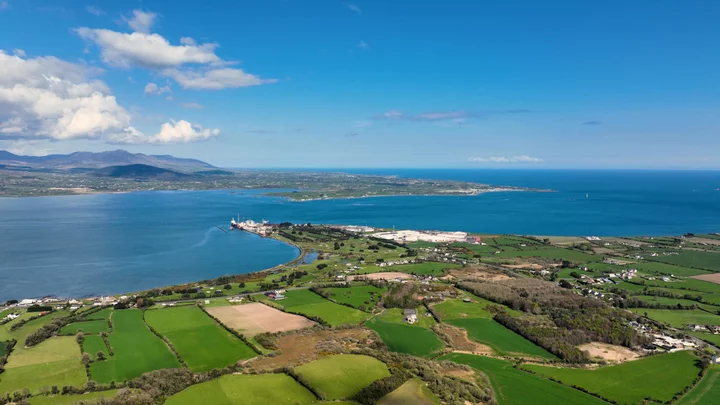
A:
{"x": 342, "y": 376}
{"x": 515, "y": 387}
{"x": 245, "y": 389}
{"x": 365, "y": 296}
{"x": 421, "y": 269}
{"x": 57, "y": 360}
{"x": 87, "y": 327}
{"x": 308, "y": 303}
{"x": 501, "y": 339}
{"x": 197, "y": 338}
{"x": 72, "y": 399}
{"x": 93, "y": 344}
{"x": 707, "y": 392}
{"x": 659, "y": 377}
{"x": 666, "y": 268}
{"x": 552, "y": 253}
{"x": 413, "y": 392}
{"x": 679, "y": 318}
{"x": 415, "y": 339}
{"x": 692, "y": 258}
{"x": 136, "y": 350}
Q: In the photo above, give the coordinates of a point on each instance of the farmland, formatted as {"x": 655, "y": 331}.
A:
{"x": 89, "y": 327}
{"x": 72, "y": 399}
{"x": 473, "y": 317}
{"x": 236, "y": 389}
{"x": 659, "y": 377}
{"x": 56, "y": 359}
{"x": 342, "y": 376}
{"x": 680, "y": 318}
{"x": 515, "y": 387}
{"x": 93, "y": 344}
{"x": 308, "y": 303}
{"x": 413, "y": 391}
{"x": 199, "y": 341}
{"x": 706, "y": 392}
{"x": 136, "y": 350}
{"x": 253, "y": 318}
{"x": 401, "y": 337}
{"x": 363, "y": 297}
{"x": 695, "y": 259}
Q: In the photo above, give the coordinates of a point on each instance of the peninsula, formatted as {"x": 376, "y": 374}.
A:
{"x": 121, "y": 171}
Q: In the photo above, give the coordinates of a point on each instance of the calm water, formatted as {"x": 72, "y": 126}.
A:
{"x": 100, "y": 244}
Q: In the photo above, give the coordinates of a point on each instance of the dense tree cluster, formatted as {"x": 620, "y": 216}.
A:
{"x": 45, "y": 332}
{"x": 401, "y": 296}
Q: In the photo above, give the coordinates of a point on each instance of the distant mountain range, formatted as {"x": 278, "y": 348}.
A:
{"x": 97, "y": 160}
{"x": 139, "y": 171}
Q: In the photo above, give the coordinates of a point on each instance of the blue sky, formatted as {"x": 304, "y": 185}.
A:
{"x": 552, "y": 84}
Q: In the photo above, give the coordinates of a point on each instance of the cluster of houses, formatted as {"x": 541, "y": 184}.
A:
{"x": 396, "y": 263}
{"x": 714, "y": 329}
{"x": 671, "y": 344}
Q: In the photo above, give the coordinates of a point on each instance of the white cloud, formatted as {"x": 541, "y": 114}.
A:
{"x": 187, "y": 41}
{"x": 444, "y": 115}
{"x": 19, "y": 52}
{"x": 26, "y": 147}
{"x": 510, "y": 159}
{"x": 215, "y": 79}
{"x": 152, "y": 89}
{"x": 354, "y": 8}
{"x": 170, "y": 132}
{"x": 141, "y": 21}
{"x": 362, "y": 44}
{"x": 146, "y": 50}
{"x": 46, "y": 97}
{"x": 95, "y": 10}
{"x": 392, "y": 114}
{"x": 194, "y": 106}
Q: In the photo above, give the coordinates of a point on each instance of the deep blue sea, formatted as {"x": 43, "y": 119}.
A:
{"x": 112, "y": 243}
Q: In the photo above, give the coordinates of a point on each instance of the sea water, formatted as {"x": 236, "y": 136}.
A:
{"x": 112, "y": 243}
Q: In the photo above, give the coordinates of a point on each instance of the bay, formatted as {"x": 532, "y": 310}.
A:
{"x": 113, "y": 243}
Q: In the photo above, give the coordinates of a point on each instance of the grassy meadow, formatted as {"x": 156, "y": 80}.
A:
{"x": 416, "y": 339}
{"x": 236, "y": 389}
{"x": 342, "y": 376}
{"x": 414, "y": 392}
{"x": 516, "y": 387}
{"x": 659, "y": 377}
{"x": 361, "y": 296}
{"x": 197, "y": 338}
{"x": 308, "y": 303}
{"x": 136, "y": 350}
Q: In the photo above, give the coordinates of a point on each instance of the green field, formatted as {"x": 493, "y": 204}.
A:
{"x": 236, "y": 389}
{"x": 680, "y": 318}
{"x": 708, "y": 337}
{"x": 308, "y": 303}
{"x": 421, "y": 269}
{"x": 415, "y": 339}
{"x": 342, "y": 376}
{"x": 28, "y": 328}
{"x": 515, "y": 387}
{"x": 666, "y": 301}
{"x": 101, "y": 314}
{"x": 57, "y": 360}
{"x": 87, "y": 327}
{"x": 501, "y": 339}
{"x": 690, "y": 258}
{"x": 71, "y": 399}
{"x": 198, "y": 339}
{"x": 361, "y": 296}
{"x": 480, "y": 326}
{"x": 94, "y": 344}
{"x": 553, "y": 253}
{"x": 707, "y": 392}
{"x": 413, "y": 392}
{"x": 136, "y": 350}
{"x": 659, "y": 377}
{"x": 665, "y": 268}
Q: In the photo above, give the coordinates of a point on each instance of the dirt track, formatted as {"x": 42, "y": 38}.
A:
{"x": 254, "y": 318}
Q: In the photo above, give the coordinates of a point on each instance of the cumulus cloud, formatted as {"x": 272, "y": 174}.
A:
{"x": 392, "y": 115}
{"x": 150, "y": 51}
{"x": 154, "y": 52}
{"x": 194, "y": 106}
{"x": 19, "y": 52}
{"x": 26, "y": 147}
{"x": 47, "y": 97}
{"x": 141, "y": 21}
{"x": 152, "y": 89}
{"x": 95, "y": 10}
{"x": 510, "y": 159}
{"x": 215, "y": 79}
{"x": 170, "y": 132}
